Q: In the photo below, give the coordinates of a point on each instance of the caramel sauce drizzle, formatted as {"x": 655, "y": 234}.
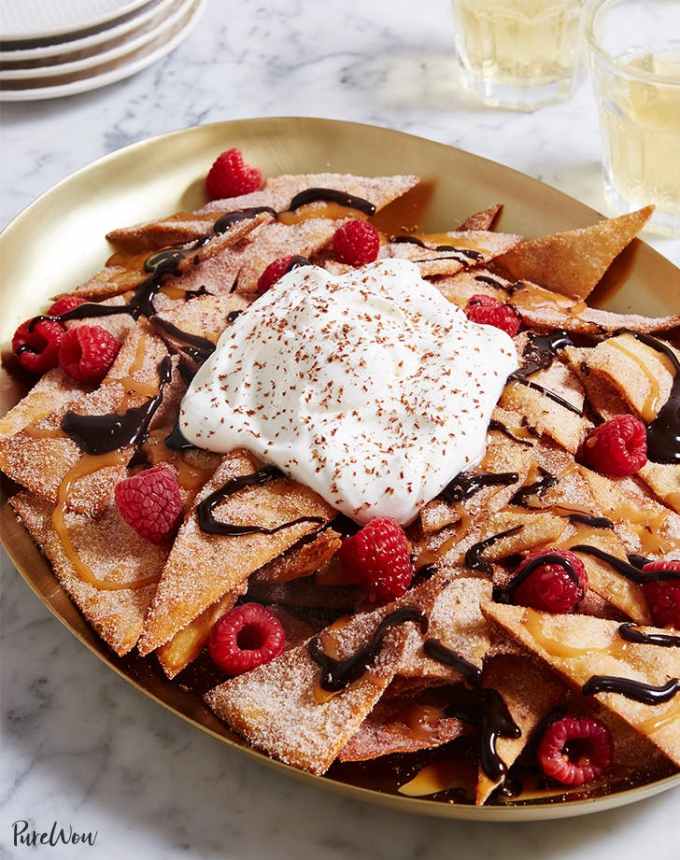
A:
{"x": 650, "y": 407}
{"x": 86, "y": 466}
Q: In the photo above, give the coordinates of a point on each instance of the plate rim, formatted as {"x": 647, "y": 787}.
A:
{"x": 113, "y": 76}
{"x": 104, "y": 18}
{"x": 421, "y": 806}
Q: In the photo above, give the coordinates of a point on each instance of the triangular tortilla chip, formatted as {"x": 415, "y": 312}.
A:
{"x": 573, "y": 262}
{"x": 530, "y": 692}
{"x": 203, "y": 567}
{"x": 580, "y": 647}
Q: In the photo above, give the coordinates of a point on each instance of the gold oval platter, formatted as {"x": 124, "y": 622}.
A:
{"x": 59, "y": 241}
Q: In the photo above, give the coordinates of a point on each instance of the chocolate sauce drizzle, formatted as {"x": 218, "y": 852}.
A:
{"x": 338, "y": 674}
{"x": 638, "y": 691}
{"x": 631, "y": 633}
{"x": 177, "y": 441}
{"x": 486, "y": 708}
{"x": 630, "y": 572}
{"x": 230, "y": 218}
{"x": 505, "y": 594}
{"x": 544, "y": 483}
{"x": 492, "y": 282}
{"x": 464, "y": 486}
{"x": 192, "y": 349}
{"x": 663, "y": 433}
{"x": 330, "y": 195}
{"x": 436, "y": 650}
{"x": 517, "y": 377}
{"x": 539, "y": 353}
{"x": 101, "y": 434}
{"x": 592, "y": 521}
{"x": 205, "y": 510}
{"x": 470, "y": 253}
{"x": 473, "y": 557}
{"x": 540, "y": 350}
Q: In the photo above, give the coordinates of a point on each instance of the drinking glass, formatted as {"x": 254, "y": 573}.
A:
{"x": 635, "y": 57}
{"x": 520, "y": 54}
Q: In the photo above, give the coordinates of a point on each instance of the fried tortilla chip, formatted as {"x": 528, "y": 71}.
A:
{"x": 482, "y": 220}
{"x": 115, "y": 554}
{"x": 275, "y": 708}
{"x": 573, "y": 262}
{"x": 277, "y": 194}
{"x": 203, "y": 567}
{"x": 579, "y": 648}
{"x": 530, "y": 692}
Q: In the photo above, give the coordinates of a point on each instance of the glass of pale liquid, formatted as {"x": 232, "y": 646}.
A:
{"x": 635, "y": 50}
{"x": 519, "y": 54}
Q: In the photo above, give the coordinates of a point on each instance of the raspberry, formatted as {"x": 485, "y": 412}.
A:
{"x": 150, "y": 502}
{"x": 663, "y": 598}
{"x": 37, "y": 346}
{"x": 64, "y": 305}
{"x": 247, "y": 637}
{"x": 379, "y": 558}
{"x": 575, "y": 750}
{"x": 489, "y": 311}
{"x": 230, "y": 177}
{"x": 277, "y": 269}
{"x": 617, "y": 448}
{"x": 550, "y": 587}
{"x": 356, "y": 243}
{"x": 87, "y": 352}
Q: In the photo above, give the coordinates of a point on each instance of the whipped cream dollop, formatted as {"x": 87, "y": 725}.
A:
{"x": 370, "y": 388}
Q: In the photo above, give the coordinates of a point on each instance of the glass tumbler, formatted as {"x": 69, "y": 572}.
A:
{"x": 519, "y": 54}
{"x": 635, "y": 56}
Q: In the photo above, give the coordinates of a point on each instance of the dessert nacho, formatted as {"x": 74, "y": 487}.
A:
{"x": 413, "y": 502}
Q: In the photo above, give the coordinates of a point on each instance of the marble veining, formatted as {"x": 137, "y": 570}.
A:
{"x": 81, "y": 747}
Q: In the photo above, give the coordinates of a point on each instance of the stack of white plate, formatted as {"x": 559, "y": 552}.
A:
{"x": 52, "y": 48}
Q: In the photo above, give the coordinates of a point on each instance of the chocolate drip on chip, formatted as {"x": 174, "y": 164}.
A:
{"x": 205, "y": 511}
{"x": 465, "y": 486}
{"x": 631, "y": 633}
{"x": 663, "y": 433}
{"x": 101, "y": 434}
{"x": 338, "y": 674}
{"x": 536, "y": 489}
{"x": 436, "y": 650}
{"x": 473, "y": 557}
{"x": 638, "y": 691}
{"x": 330, "y": 195}
{"x": 630, "y": 572}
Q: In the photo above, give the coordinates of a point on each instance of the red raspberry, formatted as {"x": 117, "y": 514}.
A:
{"x": 356, "y": 243}
{"x": 37, "y": 347}
{"x": 64, "y": 305}
{"x": 379, "y": 558}
{"x": 247, "y": 637}
{"x": 150, "y": 502}
{"x": 617, "y": 448}
{"x": 549, "y": 587}
{"x": 575, "y": 750}
{"x": 87, "y": 352}
{"x": 230, "y": 177}
{"x": 489, "y": 311}
{"x": 276, "y": 270}
{"x": 663, "y": 598}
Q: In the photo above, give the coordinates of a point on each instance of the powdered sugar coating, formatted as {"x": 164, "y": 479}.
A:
{"x": 369, "y": 388}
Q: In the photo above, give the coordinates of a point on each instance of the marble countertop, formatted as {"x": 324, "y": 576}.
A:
{"x": 78, "y": 745}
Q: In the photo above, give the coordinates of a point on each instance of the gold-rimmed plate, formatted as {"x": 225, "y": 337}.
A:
{"x": 59, "y": 241}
